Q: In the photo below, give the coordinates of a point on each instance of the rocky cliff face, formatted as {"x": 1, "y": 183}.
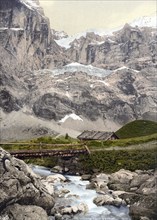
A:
{"x": 122, "y": 96}
{"x": 81, "y": 48}
{"x": 34, "y": 98}
{"x": 25, "y": 37}
{"x": 103, "y": 103}
{"x": 131, "y": 46}
{"x": 26, "y": 44}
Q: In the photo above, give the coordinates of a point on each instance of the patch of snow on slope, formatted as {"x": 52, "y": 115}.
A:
{"x": 124, "y": 67}
{"x": 74, "y": 64}
{"x": 145, "y": 21}
{"x": 12, "y": 29}
{"x": 73, "y": 116}
{"x": 3, "y": 29}
{"x": 121, "y": 68}
{"x": 105, "y": 83}
{"x": 65, "y": 42}
{"x": 111, "y": 41}
{"x": 137, "y": 71}
{"x": 59, "y": 34}
{"x": 67, "y": 94}
{"x": 77, "y": 67}
{"x": 16, "y": 29}
{"x": 31, "y": 4}
{"x": 97, "y": 42}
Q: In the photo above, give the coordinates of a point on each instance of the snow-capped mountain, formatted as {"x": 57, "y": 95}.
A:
{"x": 145, "y": 21}
{"x": 114, "y": 51}
{"x": 66, "y": 42}
{"x": 105, "y": 79}
{"x": 31, "y": 4}
{"x": 74, "y": 39}
{"x": 57, "y": 35}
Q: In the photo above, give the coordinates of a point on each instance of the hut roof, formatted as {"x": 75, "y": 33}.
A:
{"x": 95, "y": 135}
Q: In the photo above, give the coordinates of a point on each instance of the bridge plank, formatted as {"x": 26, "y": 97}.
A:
{"x": 46, "y": 153}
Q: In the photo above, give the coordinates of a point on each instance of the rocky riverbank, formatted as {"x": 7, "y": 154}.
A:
{"x": 137, "y": 190}
{"x": 25, "y": 195}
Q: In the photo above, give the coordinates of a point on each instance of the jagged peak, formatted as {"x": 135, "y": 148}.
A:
{"x": 59, "y": 34}
{"x": 145, "y": 21}
{"x": 32, "y": 5}
{"x": 126, "y": 26}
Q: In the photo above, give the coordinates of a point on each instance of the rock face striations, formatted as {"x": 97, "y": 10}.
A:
{"x": 134, "y": 47}
{"x": 25, "y": 37}
{"x": 106, "y": 80}
{"x": 120, "y": 97}
{"x": 26, "y": 44}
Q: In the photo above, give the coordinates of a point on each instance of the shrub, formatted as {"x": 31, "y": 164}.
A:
{"x": 112, "y": 161}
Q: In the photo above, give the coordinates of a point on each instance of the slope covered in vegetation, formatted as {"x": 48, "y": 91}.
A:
{"x": 137, "y": 128}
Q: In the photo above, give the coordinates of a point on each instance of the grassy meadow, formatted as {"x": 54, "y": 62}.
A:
{"x": 138, "y": 149}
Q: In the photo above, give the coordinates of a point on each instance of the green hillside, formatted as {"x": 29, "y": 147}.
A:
{"x": 137, "y": 128}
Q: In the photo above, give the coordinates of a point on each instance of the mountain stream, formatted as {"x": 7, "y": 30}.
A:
{"x": 79, "y": 194}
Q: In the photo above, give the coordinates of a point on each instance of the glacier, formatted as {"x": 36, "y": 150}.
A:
{"x": 78, "y": 67}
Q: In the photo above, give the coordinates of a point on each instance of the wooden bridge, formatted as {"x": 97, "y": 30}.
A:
{"x": 63, "y": 153}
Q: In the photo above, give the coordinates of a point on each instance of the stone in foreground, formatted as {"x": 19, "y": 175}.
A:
{"x": 20, "y": 185}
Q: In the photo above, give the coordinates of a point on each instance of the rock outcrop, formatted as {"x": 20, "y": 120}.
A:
{"x": 102, "y": 103}
{"x": 22, "y": 192}
{"x": 109, "y": 200}
{"x": 136, "y": 189}
{"x": 131, "y": 46}
{"x": 26, "y": 44}
{"x": 122, "y": 96}
{"x": 82, "y": 50}
{"x": 26, "y": 41}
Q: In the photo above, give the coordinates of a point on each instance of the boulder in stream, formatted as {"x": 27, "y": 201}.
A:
{"x": 138, "y": 190}
{"x": 55, "y": 178}
{"x": 108, "y": 200}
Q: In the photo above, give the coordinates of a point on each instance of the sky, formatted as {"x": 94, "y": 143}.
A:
{"x": 74, "y": 16}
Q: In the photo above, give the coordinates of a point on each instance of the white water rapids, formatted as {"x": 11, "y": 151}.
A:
{"x": 79, "y": 194}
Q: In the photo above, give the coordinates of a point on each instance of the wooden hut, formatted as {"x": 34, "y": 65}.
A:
{"x": 97, "y": 135}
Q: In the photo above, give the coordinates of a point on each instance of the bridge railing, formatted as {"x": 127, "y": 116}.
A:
{"x": 41, "y": 144}
{"x": 26, "y": 146}
{"x": 67, "y": 150}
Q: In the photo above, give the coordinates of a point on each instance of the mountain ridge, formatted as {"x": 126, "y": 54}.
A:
{"x": 144, "y": 21}
{"x": 106, "y": 84}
